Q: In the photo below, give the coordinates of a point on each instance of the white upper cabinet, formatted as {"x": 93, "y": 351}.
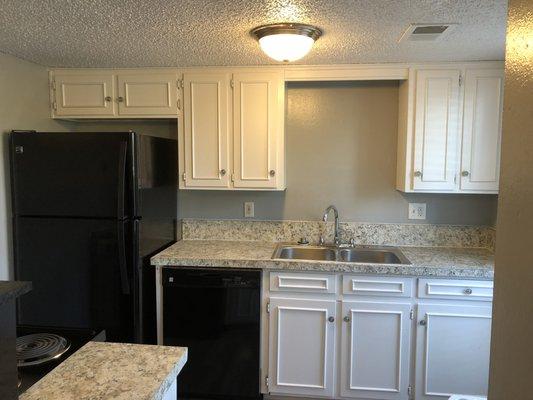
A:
{"x": 257, "y": 127}
{"x": 86, "y": 95}
{"x": 480, "y": 162}
{"x": 232, "y": 131}
{"x": 151, "y": 94}
{"x": 436, "y": 129}
{"x": 206, "y": 138}
{"x": 449, "y": 129}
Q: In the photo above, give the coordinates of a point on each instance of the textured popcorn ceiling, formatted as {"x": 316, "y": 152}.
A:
{"x": 133, "y": 33}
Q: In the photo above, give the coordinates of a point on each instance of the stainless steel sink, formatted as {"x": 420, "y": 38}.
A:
{"x": 358, "y": 254}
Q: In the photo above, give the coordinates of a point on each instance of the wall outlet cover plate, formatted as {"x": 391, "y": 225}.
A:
{"x": 417, "y": 211}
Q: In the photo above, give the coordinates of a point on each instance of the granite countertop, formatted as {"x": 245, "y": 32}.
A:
{"x": 119, "y": 371}
{"x": 445, "y": 262}
{"x": 10, "y": 290}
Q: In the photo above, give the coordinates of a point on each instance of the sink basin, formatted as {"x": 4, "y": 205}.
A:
{"x": 358, "y": 254}
{"x": 307, "y": 253}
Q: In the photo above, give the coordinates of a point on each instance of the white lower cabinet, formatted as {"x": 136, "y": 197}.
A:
{"x": 375, "y": 348}
{"x": 302, "y": 347}
{"x": 398, "y": 338}
{"x": 452, "y": 351}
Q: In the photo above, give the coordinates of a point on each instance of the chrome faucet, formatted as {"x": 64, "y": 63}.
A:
{"x": 325, "y": 219}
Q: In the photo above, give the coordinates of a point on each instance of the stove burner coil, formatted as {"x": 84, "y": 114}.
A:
{"x": 40, "y": 348}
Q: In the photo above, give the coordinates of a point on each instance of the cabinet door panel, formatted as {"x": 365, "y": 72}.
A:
{"x": 452, "y": 351}
{"x": 436, "y": 130}
{"x": 206, "y": 130}
{"x": 482, "y": 130}
{"x": 302, "y": 347}
{"x": 258, "y": 126}
{"x": 375, "y": 350}
{"x": 153, "y": 94}
{"x": 88, "y": 95}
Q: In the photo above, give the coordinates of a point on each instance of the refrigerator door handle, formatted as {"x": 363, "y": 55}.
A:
{"x": 121, "y": 189}
{"x": 124, "y": 280}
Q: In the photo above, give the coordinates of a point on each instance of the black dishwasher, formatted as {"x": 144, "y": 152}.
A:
{"x": 216, "y": 314}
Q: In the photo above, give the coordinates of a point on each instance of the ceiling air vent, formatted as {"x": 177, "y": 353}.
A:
{"x": 426, "y": 32}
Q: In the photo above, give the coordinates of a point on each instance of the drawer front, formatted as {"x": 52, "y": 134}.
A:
{"x": 377, "y": 286}
{"x": 302, "y": 282}
{"x": 455, "y": 289}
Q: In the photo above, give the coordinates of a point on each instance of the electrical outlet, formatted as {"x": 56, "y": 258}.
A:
{"x": 417, "y": 210}
{"x": 249, "y": 209}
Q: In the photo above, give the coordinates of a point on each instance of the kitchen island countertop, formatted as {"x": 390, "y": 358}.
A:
{"x": 444, "y": 262}
{"x": 101, "y": 370}
{"x": 10, "y": 290}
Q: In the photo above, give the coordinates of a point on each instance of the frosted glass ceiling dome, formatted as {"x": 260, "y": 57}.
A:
{"x": 287, "y": 41}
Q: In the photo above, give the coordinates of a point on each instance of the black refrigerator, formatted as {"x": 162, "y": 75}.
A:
{"x": 89, "y": 210}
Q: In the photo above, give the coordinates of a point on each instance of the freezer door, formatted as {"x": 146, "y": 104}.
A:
{"x": 82, "y": 274}
{"x": 72, "y": 174}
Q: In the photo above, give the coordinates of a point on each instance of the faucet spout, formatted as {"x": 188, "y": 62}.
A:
{"x": 336, "y": 214}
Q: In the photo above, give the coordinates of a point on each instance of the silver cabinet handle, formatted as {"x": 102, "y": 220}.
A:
{"x": 108, "y": 98}
{"x": 272, "y": 172}
{"x": 423, "y": 322}
{"x": 465, "y": 173}
{"x": 222, "y": 172}
{"x": 467, "y": 291}
{"x": 331, "y": 319}
{"x": 120, "y": 99}
{"x": 418, "y": 174}
{"x": 346, "y": 319}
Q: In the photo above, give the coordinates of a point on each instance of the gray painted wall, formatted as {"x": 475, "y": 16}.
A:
{"x": 341, "y": 149}
{"x": 512, "y": 327}
{"x": 24, "y": 104}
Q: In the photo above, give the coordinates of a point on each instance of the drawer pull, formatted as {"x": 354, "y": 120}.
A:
{"x": 346, "y": 319}
{"x": 423, "y": 322}
{"x": 467, "y": 291}
{"x": 331, "y": 319}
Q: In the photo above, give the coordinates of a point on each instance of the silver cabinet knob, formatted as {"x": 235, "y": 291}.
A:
{"x": 120, "y": 99}
{"x": 346, "y": 319}
{"x": 331, "y": 319}
{"x": 465, "y": 173}
{"x": 418, "y": 174}
{"x": 108, "y": 98}
{"x": 222, "y": 172}
{"x": 467, "y": 291}
{"x": 423, "y": 322}
{"x": 272, "y": 172}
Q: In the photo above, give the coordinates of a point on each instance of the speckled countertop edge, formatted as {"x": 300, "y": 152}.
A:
{"x": 103, "y": 370}
{"x": 468, "y": 263}
{"x": 10, "y": 290}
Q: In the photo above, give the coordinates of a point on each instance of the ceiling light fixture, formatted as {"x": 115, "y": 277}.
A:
{"x": 286, "y": 41}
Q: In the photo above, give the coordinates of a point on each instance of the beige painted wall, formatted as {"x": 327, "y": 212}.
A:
{"x": 341, "y": 149}
{"x": 512, "y": 351}
{"x": 24, "y": 104}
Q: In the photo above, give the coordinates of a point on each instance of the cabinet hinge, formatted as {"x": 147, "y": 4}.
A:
{"x": 54, "y": 105}
{"x": 179, "y": 104}
{"x": 53, "y": 84}
{"x": 179, "y": 83}
{"x": 267, "y": 381}
{"x": 409, "y": 391}
{"x": 231, "y": 83}
{"x": 183, "y": 176}
{"x": 233, "y": 177}
{"x": 412, "y": 314}
{"x": 460, "y": 79}
{"x": 268, "y": 308}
